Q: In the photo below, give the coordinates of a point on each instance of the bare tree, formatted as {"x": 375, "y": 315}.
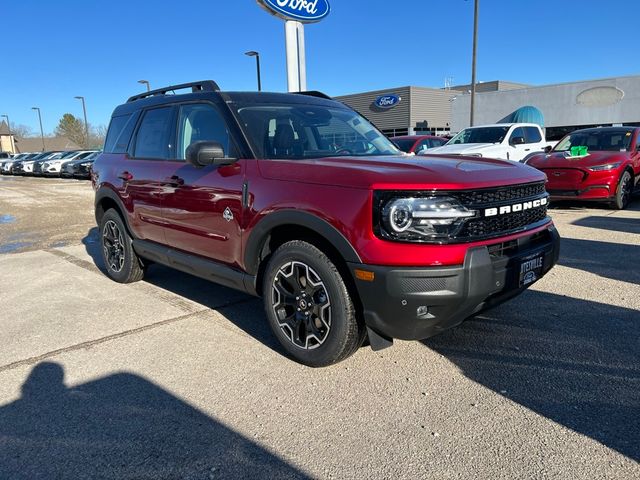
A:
{"x": 22, "y": 131}
{"x": 97, "y": 134}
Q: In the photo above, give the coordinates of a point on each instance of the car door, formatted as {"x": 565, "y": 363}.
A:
{"x": 144, "y": 172}
{"x": 518, "y": 147}
{"x": 203, "y": 205}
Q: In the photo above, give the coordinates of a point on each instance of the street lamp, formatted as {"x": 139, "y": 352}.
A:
{"x": 13, "y": 148}
{"x": 253, "y": 53}
{"x": 473, "y": 62}
{"x": 86, "y": 124}
{"x": 145, "y": 82}
{"x": 41, "y": 131}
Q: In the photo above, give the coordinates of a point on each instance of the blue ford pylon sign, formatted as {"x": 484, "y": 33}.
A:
{"x": 387, "y": 101}
{"x": 304, "y": 11}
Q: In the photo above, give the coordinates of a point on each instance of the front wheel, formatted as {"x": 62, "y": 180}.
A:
{"x": 120, "y": 260}
{"x": 308, "y": 306}
{"x": 623, "y": 192}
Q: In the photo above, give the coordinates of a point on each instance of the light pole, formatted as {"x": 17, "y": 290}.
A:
{"x": 473, "y": 62}
{"x": 41, "y": 131}
{"x": 145, "y": 82}
{"x": 253, "y": 53}
{"x": 86, "y": 124}
{"x": 13, "y": 148}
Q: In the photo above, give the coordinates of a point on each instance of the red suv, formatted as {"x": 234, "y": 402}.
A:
{"x": 298, "y": 199}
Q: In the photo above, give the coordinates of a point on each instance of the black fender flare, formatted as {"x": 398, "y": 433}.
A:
{"x": 261, "y": 231}
{"x": 105, "y": 192}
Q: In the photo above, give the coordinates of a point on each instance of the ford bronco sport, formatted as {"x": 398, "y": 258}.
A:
{"x": 300, "y": 200}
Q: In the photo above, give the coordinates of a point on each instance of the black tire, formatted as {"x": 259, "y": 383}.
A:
{"x": 309, "y": 307}
{"x": 120, "y": 260}
{"x": 623, "y": 191}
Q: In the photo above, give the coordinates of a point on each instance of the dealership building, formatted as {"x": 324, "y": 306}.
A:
{"x": 565, "y": 107}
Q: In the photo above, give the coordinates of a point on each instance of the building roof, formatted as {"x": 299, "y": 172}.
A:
{"x": 491, "y": 86}
{"x": 4, "y": 128}
{"x": 34, "y": 144}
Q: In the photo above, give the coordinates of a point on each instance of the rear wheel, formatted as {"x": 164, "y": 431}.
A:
{"x": 120, "y": 260}
{"x": 308, "y": 306}
{"x": 623, "y": 192}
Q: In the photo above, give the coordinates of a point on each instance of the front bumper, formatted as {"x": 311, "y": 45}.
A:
{"x": 417, "y": 303}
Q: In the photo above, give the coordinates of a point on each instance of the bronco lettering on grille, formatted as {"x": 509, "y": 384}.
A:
{"x": 515, "y": 207}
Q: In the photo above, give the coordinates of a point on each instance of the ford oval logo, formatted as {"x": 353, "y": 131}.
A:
{"x": 305, "y": 11}
{"x": 387, "y": 101}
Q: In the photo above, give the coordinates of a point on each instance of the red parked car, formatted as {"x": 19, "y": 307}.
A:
{"x": 300, "y": 200}
{"x": 600, "y": 164}
{"x": 418, "y": 143}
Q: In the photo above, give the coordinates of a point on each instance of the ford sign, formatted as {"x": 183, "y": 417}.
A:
{"x": 305, "y": 11}
{"x": 387, "y": 101}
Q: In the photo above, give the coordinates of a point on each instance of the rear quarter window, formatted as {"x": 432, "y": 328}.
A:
{"x": 119, "y": 133}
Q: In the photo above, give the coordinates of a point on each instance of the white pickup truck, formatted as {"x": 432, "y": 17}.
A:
{"x": 508, "y": 141}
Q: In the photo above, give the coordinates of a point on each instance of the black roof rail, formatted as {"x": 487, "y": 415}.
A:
{"x": 202, "y": 86}
{"x": 314, "y": 93}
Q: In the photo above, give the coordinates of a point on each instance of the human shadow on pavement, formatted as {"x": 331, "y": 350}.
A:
{"x": 575, "y": 362}
{"x": 244, "y": 311}
{"x": 121, "y": 426}
{"x": 610, "y": 260}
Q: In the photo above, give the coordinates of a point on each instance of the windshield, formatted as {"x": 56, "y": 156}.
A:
{"x": 297, "y": 131}
{"x": 404, "y": 144}
{"x": 480, "y": 135}
{"x": 614, "y": 140}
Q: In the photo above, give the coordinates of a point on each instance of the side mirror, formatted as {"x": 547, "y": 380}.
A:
{"x": 201, "y": 154}
{"x": 548, "y": 148}
{"x": 517, "y": 141}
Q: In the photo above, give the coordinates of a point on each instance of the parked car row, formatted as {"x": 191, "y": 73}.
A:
{"x": 72, "y": 164}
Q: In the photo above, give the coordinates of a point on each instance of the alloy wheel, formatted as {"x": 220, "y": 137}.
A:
{"x": 113, "y": 245}
{"x": 301, "y": 305}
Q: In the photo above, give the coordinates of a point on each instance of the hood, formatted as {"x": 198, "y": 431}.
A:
{"x": 461, "y": 148}
{"x": 559, "y": 160}
{"x": 402, "y": 171}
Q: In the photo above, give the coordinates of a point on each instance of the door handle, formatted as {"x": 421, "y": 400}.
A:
{"x": 126, "y": 176}
{"x": 174, "y": 181}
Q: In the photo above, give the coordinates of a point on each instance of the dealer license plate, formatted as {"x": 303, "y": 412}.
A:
{"x": 531, "y": 268}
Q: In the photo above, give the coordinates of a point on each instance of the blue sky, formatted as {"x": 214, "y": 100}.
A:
{"x": 57, "y": 50}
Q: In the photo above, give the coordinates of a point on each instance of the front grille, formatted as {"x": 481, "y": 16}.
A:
{"x": 491, "y": 196}
{"x": 486, "y": 227}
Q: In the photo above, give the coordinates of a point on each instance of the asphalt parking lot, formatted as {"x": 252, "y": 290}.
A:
{"x": 174, "y": 377}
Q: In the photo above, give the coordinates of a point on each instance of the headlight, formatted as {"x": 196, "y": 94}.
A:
{"x": 420, "y": 219}
{"x": 608, "y": 166}
{"x": 86, "y": 164}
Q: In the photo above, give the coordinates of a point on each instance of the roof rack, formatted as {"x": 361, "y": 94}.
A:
{"x": 314, "y": 93}
{"x": 202, "y": 86}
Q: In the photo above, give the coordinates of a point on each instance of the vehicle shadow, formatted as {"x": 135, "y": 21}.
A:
{"x": 244, "y": 311}
{"x": 573, "y": 361}
{"x": 610, "y": 260}
{"x": 615, "y": 224}
{"x": 121, "y": 426}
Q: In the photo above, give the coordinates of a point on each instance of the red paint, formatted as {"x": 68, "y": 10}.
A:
{"x": 188, "y": 215}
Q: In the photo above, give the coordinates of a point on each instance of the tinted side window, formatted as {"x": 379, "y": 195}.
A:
{"x": 532, "y": 135}
{"x": 154, "y": 133}
{"x": 115, "y": 129}
{"x": 201, "y": 122}
{"x": 119, "y": 133}
{"x": 518, "y": 132}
